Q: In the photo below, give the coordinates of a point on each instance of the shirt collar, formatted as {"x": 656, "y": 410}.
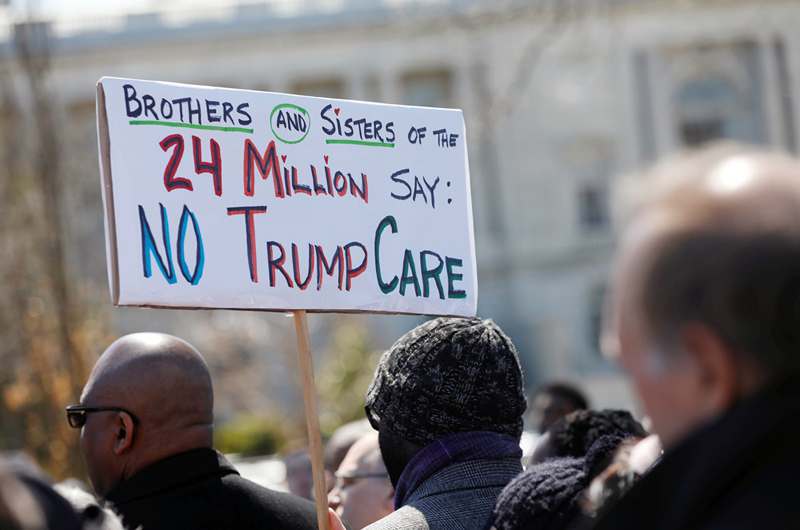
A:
{"x": 169, "y": 473}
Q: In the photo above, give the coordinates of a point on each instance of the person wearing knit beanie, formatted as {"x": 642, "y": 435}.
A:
{"x": 447, "y": 401}
{"x": 547, "y": 496}
{"x": 446, "y": 376}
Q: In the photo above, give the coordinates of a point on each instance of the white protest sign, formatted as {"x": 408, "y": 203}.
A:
{"x": 221, "y": 198}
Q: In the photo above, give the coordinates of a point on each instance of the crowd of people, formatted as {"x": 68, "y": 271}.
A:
{"x": 704, "y": 315}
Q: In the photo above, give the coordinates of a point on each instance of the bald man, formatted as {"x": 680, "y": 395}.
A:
{"x": 146, "y": 415}
{"x": 705, "y": 317}
{"x": 363, "y": 493}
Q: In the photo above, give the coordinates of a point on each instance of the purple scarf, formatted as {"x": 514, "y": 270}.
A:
{"x": 453, "y": 449}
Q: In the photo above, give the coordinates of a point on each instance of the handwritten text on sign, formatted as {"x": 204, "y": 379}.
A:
{"x": 220, "y": 198}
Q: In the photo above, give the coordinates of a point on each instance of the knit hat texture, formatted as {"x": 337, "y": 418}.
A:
{"x": 447, "y": 376}
{"x": 547, "y": 496}
{"x": 576, "y": 432}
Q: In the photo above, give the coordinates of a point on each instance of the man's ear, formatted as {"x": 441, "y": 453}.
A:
{"x": 123, "y": 433}
{"x": 718, "y": 368}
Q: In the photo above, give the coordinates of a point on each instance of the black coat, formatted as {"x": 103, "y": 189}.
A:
{"x": 740, "y": 472}
{"x": 201, "y": 490}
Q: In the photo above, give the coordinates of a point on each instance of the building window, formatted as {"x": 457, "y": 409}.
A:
{"x": 695, "y": 133}
{"x": 707, "y": 109}
{"x": 427, "y": 89}
{"x": 321, "y": 88}
{"x": 719, "y": 95}
{"x": 593, "y": 206}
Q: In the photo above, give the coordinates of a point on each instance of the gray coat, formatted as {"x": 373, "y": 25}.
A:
{"x": 457, "y": 497}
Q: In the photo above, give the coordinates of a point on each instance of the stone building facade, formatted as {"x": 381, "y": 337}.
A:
{"x": 559, "y": 99}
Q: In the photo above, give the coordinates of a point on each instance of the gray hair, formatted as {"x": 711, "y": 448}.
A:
{"x": 731, "y": 258}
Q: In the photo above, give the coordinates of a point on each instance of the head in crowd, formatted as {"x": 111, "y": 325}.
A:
{"x": 363, "y": 493}
{"x": 548, "y": 495}
{"x": 706, "y": 288}
{"x": 299, "y": 473}
{"x": 447, "y": 376}
{"x": 92, "y": 515}
{"x": 19, "y": 508}
{"x": 575, "y": 433}
{"x": 155, "y": 392}
{"x": 339, "y": 444}
{"x": 29, "y": 502}
{"x": 553, "y": 401}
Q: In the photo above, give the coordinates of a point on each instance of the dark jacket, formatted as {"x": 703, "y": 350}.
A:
{"x": 740, "y": 472}
{"x": 200, "y": 489}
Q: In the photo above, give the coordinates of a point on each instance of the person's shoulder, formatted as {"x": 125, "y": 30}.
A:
{"x": 431, "y": 514}
{"x": 476, "y": 478}
{"x": 282, "y": 510}
{"x": 406, "y": 518}
{"x": 769, "y": 499}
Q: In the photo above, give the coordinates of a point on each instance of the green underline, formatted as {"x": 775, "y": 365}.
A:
{"x": 191, "y": 126}
{"x": 359, "y": 142}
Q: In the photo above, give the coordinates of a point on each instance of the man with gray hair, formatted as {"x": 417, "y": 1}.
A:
{"x": 705, "y": 317}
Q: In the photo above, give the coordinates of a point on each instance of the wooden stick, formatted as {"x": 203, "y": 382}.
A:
{"x": 312, "y": 419}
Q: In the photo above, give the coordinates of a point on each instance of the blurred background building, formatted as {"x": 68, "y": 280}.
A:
{"x": 559, "y": 97}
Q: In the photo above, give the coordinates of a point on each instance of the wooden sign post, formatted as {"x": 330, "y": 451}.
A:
{"x": 233, "y": 199}
{"x": 312, "y": 419}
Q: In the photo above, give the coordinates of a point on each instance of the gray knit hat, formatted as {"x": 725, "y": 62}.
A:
{"x": 446, "y": 376}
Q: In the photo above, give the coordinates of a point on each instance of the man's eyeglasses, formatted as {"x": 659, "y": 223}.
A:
{"x": 76, "y": 414}
{"x": 345, "y": 479}
{"x": 374, "y": 419}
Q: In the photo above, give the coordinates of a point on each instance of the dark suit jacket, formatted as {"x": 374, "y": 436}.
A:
{"x": 740, "y": 472}
{"x": 200, "y": 489}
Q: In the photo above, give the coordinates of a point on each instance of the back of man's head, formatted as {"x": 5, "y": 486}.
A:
{"x": 300, "y": 473}
{"x": 553, "y": 401}
{"x": 160, "y": 391}
{"x": 566, "y": 392}
{"x": 447, "y": 376}
{"x": 707, "y": 287}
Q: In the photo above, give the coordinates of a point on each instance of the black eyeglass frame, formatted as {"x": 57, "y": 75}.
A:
{"x": 80, "y": 413}
{"x": 372, "y": 416}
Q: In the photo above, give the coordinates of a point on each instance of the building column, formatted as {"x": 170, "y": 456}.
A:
{"x": 773, "y": 125}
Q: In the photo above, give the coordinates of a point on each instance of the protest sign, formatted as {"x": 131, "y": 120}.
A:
{"x": 234, "y": 199}
{"x": 221, "y": 198}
